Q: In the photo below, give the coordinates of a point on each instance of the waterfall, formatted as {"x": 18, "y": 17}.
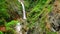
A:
{"x": 23, "y": 8}
{"x": 19, "y": 26}
{"x": 24, "y": 14}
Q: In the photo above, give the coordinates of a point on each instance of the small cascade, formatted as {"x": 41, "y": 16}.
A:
{"x": 18, "y": 28}
{"x": 23, "y": 8}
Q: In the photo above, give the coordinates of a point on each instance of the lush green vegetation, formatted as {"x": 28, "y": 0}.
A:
{"x": 36, "y": 11}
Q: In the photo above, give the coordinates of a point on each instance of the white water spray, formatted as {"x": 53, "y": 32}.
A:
{"x": 18, "y": 28}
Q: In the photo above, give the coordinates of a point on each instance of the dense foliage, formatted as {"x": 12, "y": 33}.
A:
{"x": 36, "y": 11}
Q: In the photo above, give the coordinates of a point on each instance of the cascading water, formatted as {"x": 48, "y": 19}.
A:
{"x": 23, "y": 7}
{"x": 19, "y": 26}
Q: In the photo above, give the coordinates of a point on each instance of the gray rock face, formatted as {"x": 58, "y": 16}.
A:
{"x": 54, "y": 16}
